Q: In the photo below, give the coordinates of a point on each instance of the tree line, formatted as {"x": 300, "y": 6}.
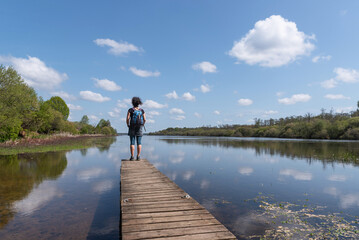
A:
{"x": 24, "y": 114}
{"x": 326, "y": 125}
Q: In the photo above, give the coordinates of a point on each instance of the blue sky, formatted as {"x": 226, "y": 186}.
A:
{"x": 193, "y": 63}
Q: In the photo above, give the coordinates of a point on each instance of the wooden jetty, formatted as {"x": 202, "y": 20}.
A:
{"x": 154, "y": 207}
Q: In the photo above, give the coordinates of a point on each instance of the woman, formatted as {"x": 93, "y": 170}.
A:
{"x": 135, "y": 120}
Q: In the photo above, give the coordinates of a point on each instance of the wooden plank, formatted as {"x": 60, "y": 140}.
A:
{"x": 164, "y": 214}
{"x": 168, "y": 225}
{"x": 203, "y": 236}
{"x": 166, "y": 219}
{"x": 154, "y": 207}
{"x": 173, "y": 232}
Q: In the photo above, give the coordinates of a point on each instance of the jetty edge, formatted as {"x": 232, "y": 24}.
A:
{"x": 154, "y": 207}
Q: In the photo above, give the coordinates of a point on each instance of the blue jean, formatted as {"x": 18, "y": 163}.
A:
{"x": 138, "y": 139}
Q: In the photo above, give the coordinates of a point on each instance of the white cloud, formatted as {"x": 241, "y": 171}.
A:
{"x": 336, "y": 96}
{"x": 94, "y": 97}
{"x": 152, "y": 113}
{"x": 270, "y": 112}
{"x": 342, "y": 75}
{"x": 179, "y": 117}
{"x": 245, "y": 171}
{"x": 188, "y": 97}
{"x": 318, "y": 58}
{"x": 172, "y": 95}
{"x": 150, "y": 121}
{"x": 117, "y": 48}
{"x": 93, "y": 118}
{"x": 331, "y": 83}
{"x": 107, "y": 84}
{"x": 347, "y": 75}
{"x": 205, "y": 88}
{"x": 113, "y": 114}
{"x": 272, "y": 42}
{"x": 279, "y": 94}
{"x": 153, "y": 104}
{"x": 144, "y": 73}
{"x": 128, "y": 101}
{"x": 245, "y": 102}
{"x": 122, "y": 104}
{"x": 64, "y": 95}
{"x": 150, "y": 116}
{"x": 74, "y": 107}
{"x": 295, "y": 99}
{"x": 35, "y": 72}
{"x": 297, "y": 175}
{"x": 205, "y": 67}
{"x": 216, "y": 112}
{"x": 176, "y": 111}
{"x": 196, "y": 114}
{"x": 344, "y": 109}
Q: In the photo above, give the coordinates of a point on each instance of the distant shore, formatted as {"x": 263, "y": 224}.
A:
{"x": 45, "y": 143}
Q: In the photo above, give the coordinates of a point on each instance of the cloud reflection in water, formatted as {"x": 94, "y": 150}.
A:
{"x": 103, "y": 186}
{"x": 88, "y": 174}
{"x": 187, "y": 175}
{"x": 297, "y": 175}
{"x": 245, "y": 171}
{"x": 41, "y": 195}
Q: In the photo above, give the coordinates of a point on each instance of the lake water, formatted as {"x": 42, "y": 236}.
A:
{"x": 283, "y": 189}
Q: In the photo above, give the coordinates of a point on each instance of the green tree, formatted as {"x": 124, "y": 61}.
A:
{"x": 85, "y": 119}
{"x": 59, "y": 105}
{"x": 103, "y": 123}
{"x": 18, "y": 102}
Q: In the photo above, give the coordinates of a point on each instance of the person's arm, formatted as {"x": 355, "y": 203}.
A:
{"x": 128, "y": 119}
{"x": 144, "y": 118}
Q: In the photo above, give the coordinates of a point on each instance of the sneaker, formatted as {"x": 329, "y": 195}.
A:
{"x": 131, "y": 158}
{"x": 138, "y": 158}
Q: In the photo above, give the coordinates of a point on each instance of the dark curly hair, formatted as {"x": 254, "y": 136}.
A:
{"x": 136, "y": 101}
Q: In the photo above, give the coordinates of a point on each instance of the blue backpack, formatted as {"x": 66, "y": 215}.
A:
{"x": 136, "y": 117}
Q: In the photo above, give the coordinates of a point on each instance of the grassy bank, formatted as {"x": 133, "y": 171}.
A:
{"x": 59, "y": 142}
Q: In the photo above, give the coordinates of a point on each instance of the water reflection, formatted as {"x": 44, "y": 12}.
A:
{"x": 297, "y": 175}
{"x": 28, "y": 180}
{"x": 88, "y": 174}
{"x": 254, "y": 187}
{"x": 37, "y": 198}
{"x": 268, "y": 188}
{"x": 326, "y": 151}
{"x": 20, "y": 174}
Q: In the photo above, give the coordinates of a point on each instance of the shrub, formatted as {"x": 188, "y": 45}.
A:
{"x": 70, "y": 128}
{"x": 106, "y": 131}
{"x": 353, "y": 122}
{"x": 351, "y": 134}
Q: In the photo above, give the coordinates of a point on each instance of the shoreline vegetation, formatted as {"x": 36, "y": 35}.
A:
{"x": 27, "y": 118}
{"x": 327, "y": 125}
{"x": 55, "y": 142}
